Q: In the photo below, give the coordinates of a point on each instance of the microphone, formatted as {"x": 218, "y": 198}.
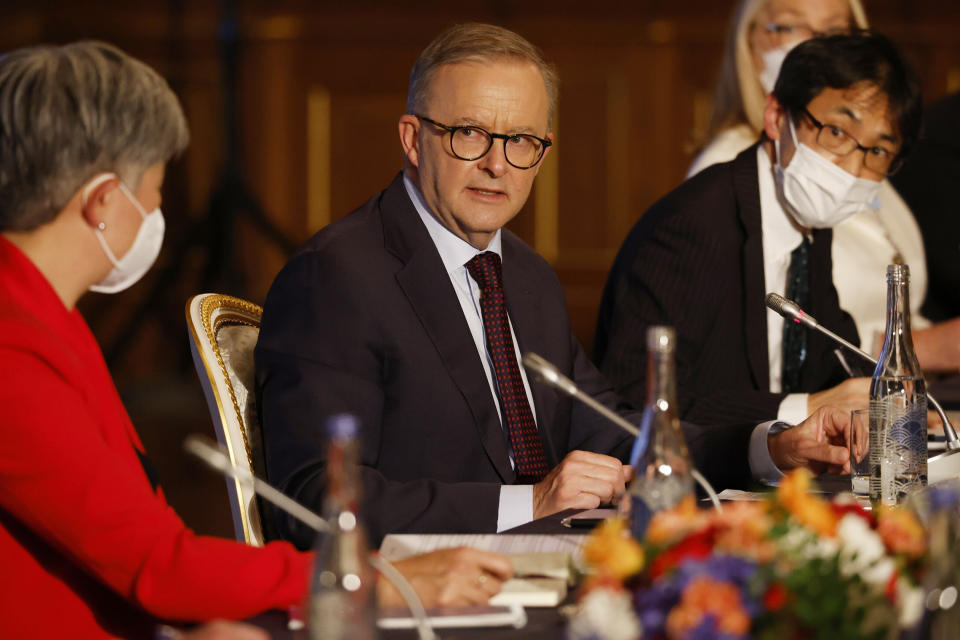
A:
{"x": 791, "y": 311}
{"x": 547, "y": 373}
{"x": 215, "y": 457}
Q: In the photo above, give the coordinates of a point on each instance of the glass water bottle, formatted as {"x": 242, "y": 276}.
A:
{"x": 342, "y": 595}
{"x": 660, "y": 458}
{"x": 898, "y": 403}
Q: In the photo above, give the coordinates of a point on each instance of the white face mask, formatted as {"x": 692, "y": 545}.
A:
{"x": 142, "y": 253}
{"x": 816, "y": 192}
{"x": 772, "y": 61}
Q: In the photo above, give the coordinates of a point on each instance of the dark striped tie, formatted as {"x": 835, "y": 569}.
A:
{"x": 794, "y": 333}
{"x": 528, "y": 453}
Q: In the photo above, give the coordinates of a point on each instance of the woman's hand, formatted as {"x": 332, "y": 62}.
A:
{"x": 449, "y": 578}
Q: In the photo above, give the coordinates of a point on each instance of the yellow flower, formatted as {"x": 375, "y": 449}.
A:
{"x": 809, "y": 510}
{"x": 611, "y": 550}
{"x": 743, "y": 529}
{"x": 901, "y": 532}
{"x": 670, "y": 525}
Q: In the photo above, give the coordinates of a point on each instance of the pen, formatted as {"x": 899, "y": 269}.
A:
{"x": 843, "y": 362}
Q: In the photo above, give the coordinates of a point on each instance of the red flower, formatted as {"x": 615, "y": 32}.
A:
{"x": 851, "y": 507}
{"x": 775, "y": 597}
{"x": 695, "y": 546}
{"x": 891, "y": 590}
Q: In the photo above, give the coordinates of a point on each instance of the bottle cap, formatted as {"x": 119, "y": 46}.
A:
{"x": 898, "y": 273}
{"x": 660, "y": 338}
{"x": 342, "y": 426}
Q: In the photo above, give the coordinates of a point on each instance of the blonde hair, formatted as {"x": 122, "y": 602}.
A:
{"x": 739, "y": 97}
{"x": 476, "y": 42}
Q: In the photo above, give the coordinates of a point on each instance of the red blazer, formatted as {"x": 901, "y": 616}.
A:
{"x": 87, "y": 548}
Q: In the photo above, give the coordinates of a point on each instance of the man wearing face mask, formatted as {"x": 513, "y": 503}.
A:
{"x": 840, "y": 119}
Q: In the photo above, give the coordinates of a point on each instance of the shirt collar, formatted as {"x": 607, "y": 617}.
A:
{"x": 454, "y": 251}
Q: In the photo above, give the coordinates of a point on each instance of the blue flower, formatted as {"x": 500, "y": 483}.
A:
{"x": 653, "y": 603}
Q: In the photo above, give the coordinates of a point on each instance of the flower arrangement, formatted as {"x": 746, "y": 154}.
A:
{"x": 792, "y": 566}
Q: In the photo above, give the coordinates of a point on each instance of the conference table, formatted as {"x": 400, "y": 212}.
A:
{"x": 542, "y": 623}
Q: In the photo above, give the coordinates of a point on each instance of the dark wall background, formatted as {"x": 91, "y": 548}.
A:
{"x": 319, "y": 87}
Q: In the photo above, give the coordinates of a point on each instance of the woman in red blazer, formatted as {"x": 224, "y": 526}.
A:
{"x": 88, "y": 545}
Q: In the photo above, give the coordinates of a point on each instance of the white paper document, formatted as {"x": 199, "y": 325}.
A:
{"x": 737, "y": 494}
{"x": 457, "y": 617}
{"x": 400, "y": 546}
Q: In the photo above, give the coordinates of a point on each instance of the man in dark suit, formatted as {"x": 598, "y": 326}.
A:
{"x": 411, "y": 313}
{"x": 928, "y": 182}
{"x": 842, "y": 114}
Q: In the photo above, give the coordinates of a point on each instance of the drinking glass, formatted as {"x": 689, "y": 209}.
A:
{"x": 858, "y": 442}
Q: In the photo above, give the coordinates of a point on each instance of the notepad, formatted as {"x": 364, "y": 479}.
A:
{"x": 400, "y": 546}
{"x": 541, "y": 563}
{"x": 456, "y": 617}
{"x": 531, "y": 592}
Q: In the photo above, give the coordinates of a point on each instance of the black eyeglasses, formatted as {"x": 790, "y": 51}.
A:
{"x": 470, "y": 142}
{"x": 836, "y": 140}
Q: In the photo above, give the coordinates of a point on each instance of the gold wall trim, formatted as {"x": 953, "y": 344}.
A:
{"x": 953, "y": 80}
{"x": 318, "y": 159}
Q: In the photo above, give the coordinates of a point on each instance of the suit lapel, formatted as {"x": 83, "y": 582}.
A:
{"x": 522, "y": 292}
{"x": 424, "y": 281}
{"x": 747, "y": 190}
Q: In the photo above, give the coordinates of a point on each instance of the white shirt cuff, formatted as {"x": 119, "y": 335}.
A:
{"x": 516, "y": 506}
{"x": 762, "y": 467}
{"x": 793, "y": 408}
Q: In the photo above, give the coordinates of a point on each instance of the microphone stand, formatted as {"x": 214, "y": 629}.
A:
{"x": 216, "y": 458}
{"x": 942, "y": 466}
{"x": 547, "y": 373}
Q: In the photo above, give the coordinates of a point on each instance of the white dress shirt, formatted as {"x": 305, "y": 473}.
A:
{"x": 516, "y": 501}
{"x": 780, "y": 237}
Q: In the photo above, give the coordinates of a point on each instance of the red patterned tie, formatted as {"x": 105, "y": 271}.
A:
{"x": 528, "y": 452}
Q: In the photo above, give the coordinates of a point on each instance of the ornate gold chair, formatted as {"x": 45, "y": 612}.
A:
{"x": 224, "y": 332}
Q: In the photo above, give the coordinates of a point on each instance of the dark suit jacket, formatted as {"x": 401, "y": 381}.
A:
{"x": 364, "y": 319}
{"x": 695, "y": 261}
{"x": 928, "y": 182}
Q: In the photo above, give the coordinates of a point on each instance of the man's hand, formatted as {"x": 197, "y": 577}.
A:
{"x": 818, "y": 443}
{"x": 853, "y": 393}
{"x": 449, "y": 578}
{"x": 583, "y": 480}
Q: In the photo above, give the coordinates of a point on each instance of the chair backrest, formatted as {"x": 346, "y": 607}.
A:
{"x": 224, "y": 331}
